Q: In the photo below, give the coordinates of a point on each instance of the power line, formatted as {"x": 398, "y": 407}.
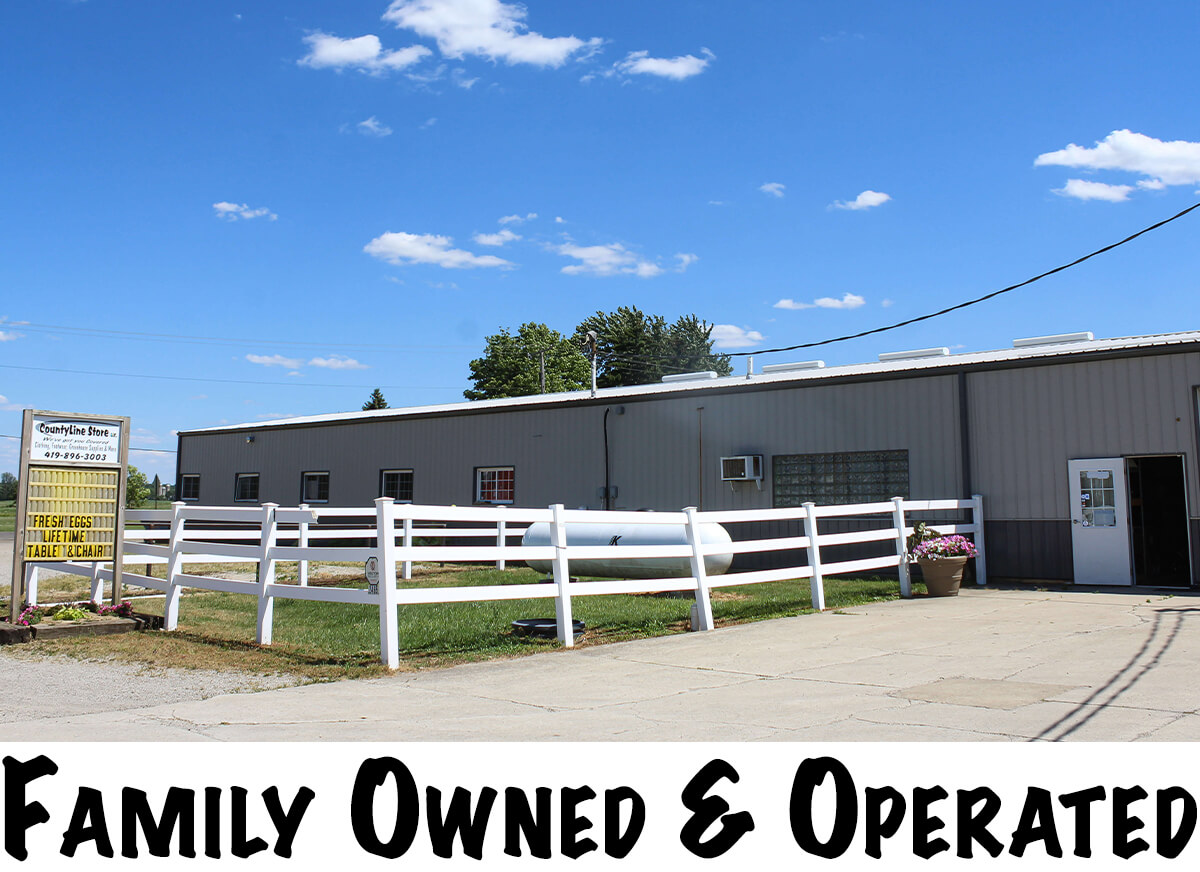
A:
{"x": 229, "y": 381}
{"x": 152, "y": 450}
{"x": 217, "y": 340}
{"x": 973, "y": 302}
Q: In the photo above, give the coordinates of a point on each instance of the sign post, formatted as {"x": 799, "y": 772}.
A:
{"x": 71, "y": 497}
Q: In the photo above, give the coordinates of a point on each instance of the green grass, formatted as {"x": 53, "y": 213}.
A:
{"x": 8, "y": 516}
{"x": 322, "y": 641}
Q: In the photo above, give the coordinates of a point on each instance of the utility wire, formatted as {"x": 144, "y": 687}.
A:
{"x": 218, "y": 340}
{"x": 152, "y": 450}
{"x": 973, "y": 302}
{"x": 229, "y": 381}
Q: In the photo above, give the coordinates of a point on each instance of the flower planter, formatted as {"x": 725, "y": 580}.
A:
{"x": 942, "y": 576}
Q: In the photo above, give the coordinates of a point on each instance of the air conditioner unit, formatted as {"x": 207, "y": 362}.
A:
{"x": 747, "y": 467}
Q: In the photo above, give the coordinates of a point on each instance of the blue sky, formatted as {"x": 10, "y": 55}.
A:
{"x": 292, "y": 203}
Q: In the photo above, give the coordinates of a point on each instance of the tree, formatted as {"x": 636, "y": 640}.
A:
{"x": 634, "y": 348}
{"x": 513, "y": 366}
{"x": 8, "y": 486}
{"x": 137, "y": 489}
{"x": 375, "y": 401}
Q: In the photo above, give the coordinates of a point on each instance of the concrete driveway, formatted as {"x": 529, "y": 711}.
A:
{"x": 1004, "y": 665}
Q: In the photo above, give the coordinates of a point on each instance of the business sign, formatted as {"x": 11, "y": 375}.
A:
{"x": 71, "y": 513}
{"x": 71, "y": 497}
{"x": 75, "y": 441}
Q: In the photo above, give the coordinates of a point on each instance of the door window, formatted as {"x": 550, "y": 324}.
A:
{"x": 1098, "y": 497}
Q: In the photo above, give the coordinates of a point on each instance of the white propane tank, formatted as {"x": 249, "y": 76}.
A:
{"x": 632, "y": 534}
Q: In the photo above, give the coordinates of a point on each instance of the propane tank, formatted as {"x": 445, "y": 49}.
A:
{"x": 619, "y": 535}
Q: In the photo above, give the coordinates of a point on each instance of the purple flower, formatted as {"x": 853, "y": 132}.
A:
{"x": 945, "y": 546}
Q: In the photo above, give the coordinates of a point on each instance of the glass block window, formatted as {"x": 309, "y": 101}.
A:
{"x": 245, "y": 487}
{"x": 494, "y": 484}
{"x": 189, "y": 487}
{"x": 314, "y": 487}
{"x": 397, "y": 484}
{"x": 839, "y": 478}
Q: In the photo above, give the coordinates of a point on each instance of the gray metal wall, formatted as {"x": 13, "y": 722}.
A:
{"x": 1024, "y": 422}
{"x": 559, "y": 453}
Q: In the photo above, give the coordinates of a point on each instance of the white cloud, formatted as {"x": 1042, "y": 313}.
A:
{"x": 685, "y": 260}
{"x": 496, "y": 239}
{"x": 373, "y": 127}
{"x": 517, "y": 219}
{"x": 364, "y": 53}
{"x": 773, "y": 189}
{"x": 485, "y": 28}
{"x": 8, "y": 336}
{"x": 887, "y": 304}
{"x": 274, "y": 360}
{"x": 606, "y": 260}
{"x": 865, "y": 200}
{"x": 337, "y": 361}
{"x": 732, "y": 336}
{"x": 427, "y": 123}
{"x": 236, "y": 211}
{"x": 409, "y": 248}
{"x": 1168, "y": 163}
{"x": 847, "y": 301}
{"x": 1081, "y": 189}
{"x": 558, "y": 219}
{"x": 677, "y": 68}
{"x": 1151, "y": 184}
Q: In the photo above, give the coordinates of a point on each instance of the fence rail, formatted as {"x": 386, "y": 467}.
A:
{"x": 267, "y": 535}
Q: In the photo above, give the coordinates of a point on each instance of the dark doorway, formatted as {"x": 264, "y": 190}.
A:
{"x": 1158, "y": 521}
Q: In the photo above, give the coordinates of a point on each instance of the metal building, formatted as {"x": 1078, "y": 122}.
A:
{"x": 1084, "y": 449}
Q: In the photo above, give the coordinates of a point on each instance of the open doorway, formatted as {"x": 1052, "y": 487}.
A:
{"x": 1158, "y": 521}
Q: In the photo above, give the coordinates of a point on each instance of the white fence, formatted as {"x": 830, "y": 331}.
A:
{"x": 268, "y": 535}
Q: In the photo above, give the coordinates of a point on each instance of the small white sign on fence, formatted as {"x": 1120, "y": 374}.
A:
{"x": 373, "y": 576}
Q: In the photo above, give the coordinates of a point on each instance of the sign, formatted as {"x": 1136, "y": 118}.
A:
{"x": 71, "y": 497}
{"x": 74, "y": 441}
{"x": 70, "y": 513}
{"x": 373, "y": 576}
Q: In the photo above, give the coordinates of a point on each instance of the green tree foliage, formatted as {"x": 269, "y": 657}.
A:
{"x": 375, "y": 401}
{"x": 8, "y": 486}
{"x": 635, "y": 348}
{"x": 137, "y": 489}
{"x": 511, "y": 365}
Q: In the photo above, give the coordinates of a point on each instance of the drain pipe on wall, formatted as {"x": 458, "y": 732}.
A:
{"x": 607, "y": 481}
{"x": 700, "y": 456}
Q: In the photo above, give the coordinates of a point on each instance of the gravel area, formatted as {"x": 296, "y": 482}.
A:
{"x": 36, "y": 686}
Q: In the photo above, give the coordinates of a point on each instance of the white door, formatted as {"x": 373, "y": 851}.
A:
{"x": 1099, "y": 521}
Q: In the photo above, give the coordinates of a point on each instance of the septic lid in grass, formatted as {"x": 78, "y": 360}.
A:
{"x": 544, "y": 628}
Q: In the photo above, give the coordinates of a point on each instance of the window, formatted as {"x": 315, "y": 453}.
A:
{"x": 840, "y": 478}
{"x": 314, "y": 487}
{"x": 494, "y": 484}
{"x": 189, "y": 487}
{"x": 397, "y": 484}
{"x": 245, "y": 487}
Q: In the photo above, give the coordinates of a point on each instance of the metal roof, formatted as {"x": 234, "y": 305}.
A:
{"x": 974, "y": 359}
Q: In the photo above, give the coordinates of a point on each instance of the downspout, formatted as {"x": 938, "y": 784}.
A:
{"x": 964, "y": 435}
{"x": 700, "y": 456}
{"x": 607, "y": 488}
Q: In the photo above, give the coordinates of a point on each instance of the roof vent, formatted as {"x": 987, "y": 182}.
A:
{"x": 1057, "y": 339}
{"x": 792, "y": 367}
{"x": 690, "y": 376}
{"x": 912, "y": 355}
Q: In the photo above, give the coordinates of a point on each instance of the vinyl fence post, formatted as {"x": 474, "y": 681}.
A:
{"x": 562, "y": 578}
{"x": 704, "y": 616}
{"x": 31, "y": 583}
{"x": 500, "y": 540}
{"x": 266, "y": 575}
{"x": 981, "y": 555}
{"x": 814, "y": 558}
{"x": 302, "y": 542}
{"x": 902, "y": 546}
{"x": 408, "y": 541}
{"x": 385, "y": 543}
{"x": 174, "y": 562}
{"x": 97, "y": 591}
